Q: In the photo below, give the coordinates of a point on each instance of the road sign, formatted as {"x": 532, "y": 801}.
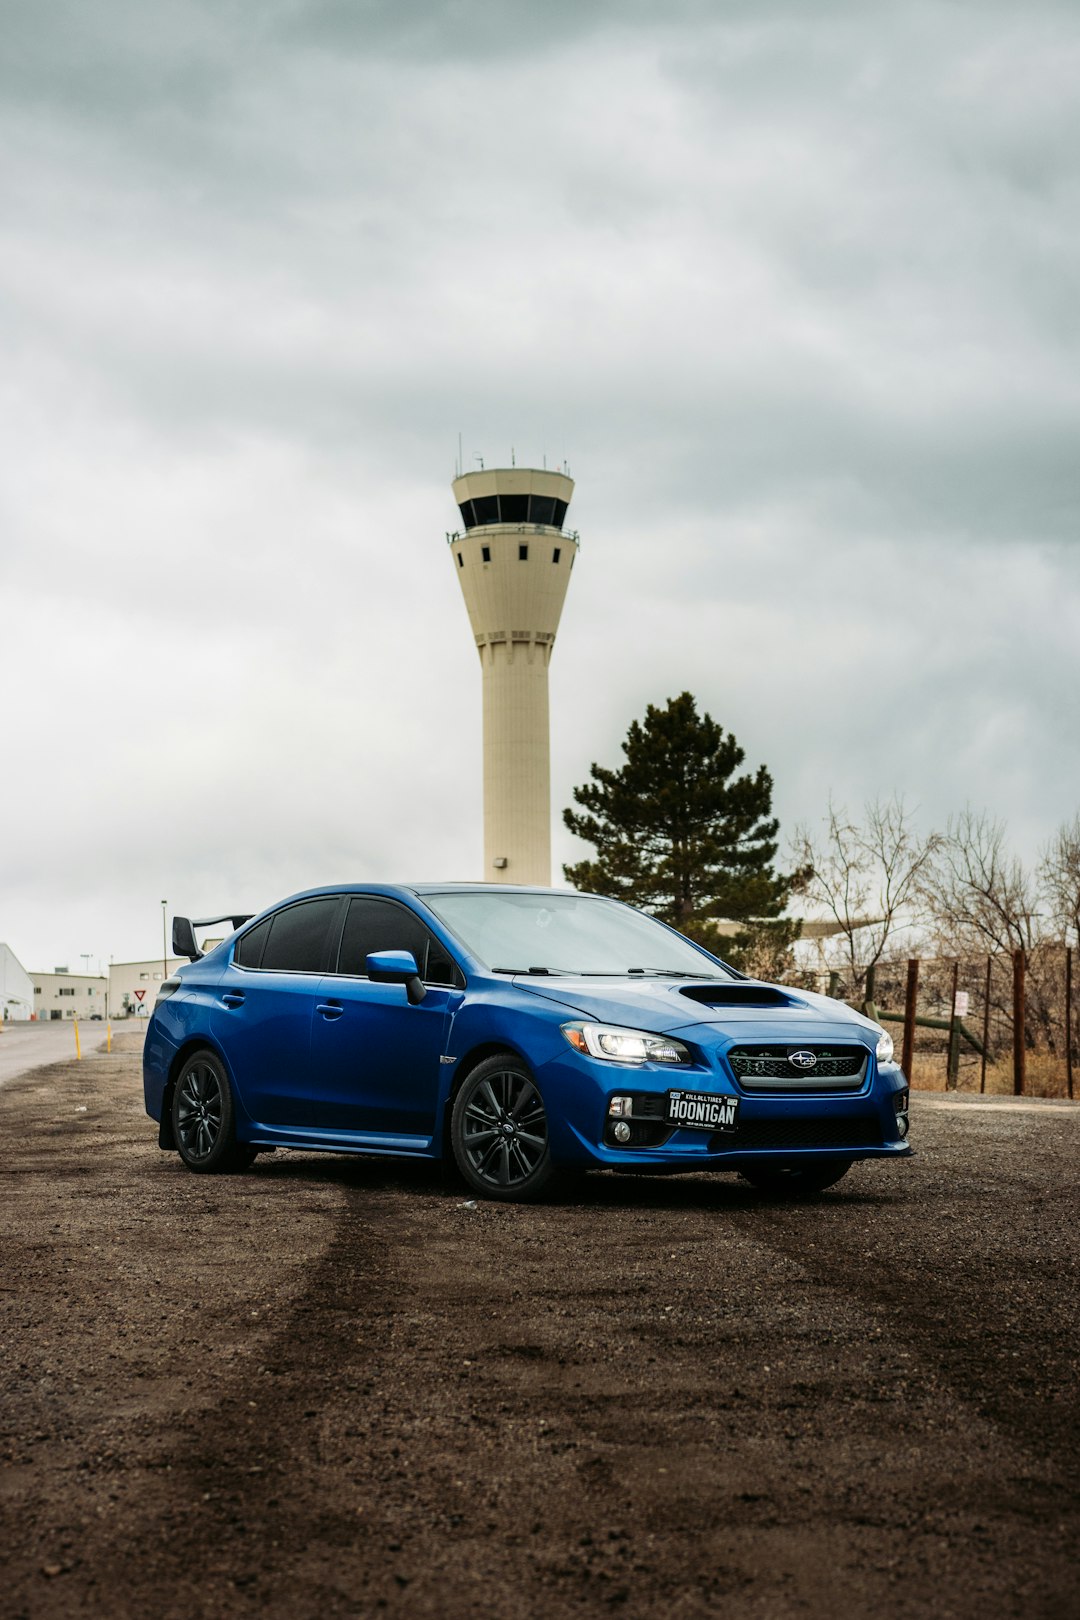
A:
{"x": 139, "y": 994}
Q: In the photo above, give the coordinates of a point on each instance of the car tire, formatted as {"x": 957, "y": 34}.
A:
{"x": 204, "y": 1118}
{"x": 498, "y": 1131}
{"x": 796, "y": 1181}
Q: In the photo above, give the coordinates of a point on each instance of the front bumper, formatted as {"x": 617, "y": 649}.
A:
{"x": 771, "y": 1129}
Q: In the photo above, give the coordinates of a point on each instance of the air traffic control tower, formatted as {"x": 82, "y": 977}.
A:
{"x": 513, "y": 562}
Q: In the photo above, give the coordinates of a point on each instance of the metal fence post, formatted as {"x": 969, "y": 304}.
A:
{"x": 910, "y": 1004}
{"x": 1068, "y": 1018}
{"x": 986, "y": 1025}
{"x": 952, "y": 1062}
{"x": 1018, "y": 1023}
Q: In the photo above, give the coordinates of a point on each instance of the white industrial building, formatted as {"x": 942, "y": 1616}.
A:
{"x": 69, "y": 995}
{"x": 16, "y": 988}
{"x": 133, "y": 986}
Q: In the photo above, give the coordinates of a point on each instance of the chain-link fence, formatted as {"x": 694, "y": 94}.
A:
{"x": 999, "y": 1024}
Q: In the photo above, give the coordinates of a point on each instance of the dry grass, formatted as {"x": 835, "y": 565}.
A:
{"x": 1045, "y": 1075}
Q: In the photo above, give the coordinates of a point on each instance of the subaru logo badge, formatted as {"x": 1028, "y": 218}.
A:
{"x": 802, "y": 1060}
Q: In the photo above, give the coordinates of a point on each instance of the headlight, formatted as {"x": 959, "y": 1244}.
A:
{"x": 885, "y": 1047}
{"x": 624, "y": 1045}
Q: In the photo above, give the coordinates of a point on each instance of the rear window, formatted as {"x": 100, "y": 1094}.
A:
{"x": 250, "y": 949}
{"x": 298, "y": 937}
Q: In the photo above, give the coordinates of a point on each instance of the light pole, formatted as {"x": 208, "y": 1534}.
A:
{"x": 164, "y": 945}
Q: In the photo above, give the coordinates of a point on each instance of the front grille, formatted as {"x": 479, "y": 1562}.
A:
{"x": 768, "y": 1068}
{"x": 798, "y": 1133}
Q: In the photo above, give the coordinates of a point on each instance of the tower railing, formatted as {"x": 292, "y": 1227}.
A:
{"x": 515, "y": 528}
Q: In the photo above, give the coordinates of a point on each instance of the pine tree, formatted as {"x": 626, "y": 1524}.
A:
{"x": 679, "y": 834}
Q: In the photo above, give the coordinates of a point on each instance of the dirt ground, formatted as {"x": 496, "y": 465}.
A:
{"x": 335, "y": 1387}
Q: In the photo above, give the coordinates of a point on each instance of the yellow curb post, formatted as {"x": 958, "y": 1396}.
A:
{"x": 78, "y": 1048}
{"x": 108, "y": 1037}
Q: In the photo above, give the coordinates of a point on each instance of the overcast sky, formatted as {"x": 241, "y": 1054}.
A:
{"x": 793, "y": 289}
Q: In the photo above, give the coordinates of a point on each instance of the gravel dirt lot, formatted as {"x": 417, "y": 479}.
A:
{"x": 330, "y": 1387}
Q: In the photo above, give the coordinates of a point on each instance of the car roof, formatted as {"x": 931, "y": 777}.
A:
{"x": 426, "y": 888}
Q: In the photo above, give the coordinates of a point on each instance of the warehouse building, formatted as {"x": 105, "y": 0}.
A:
{"x": 69, "y": 995}
{"x": 16, "y": 988}
{"x": 133, "y": 986}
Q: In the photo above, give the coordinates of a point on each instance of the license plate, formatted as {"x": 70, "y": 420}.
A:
{"x": 702, "y": 1111}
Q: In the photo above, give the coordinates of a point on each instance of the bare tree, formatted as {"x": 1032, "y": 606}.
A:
{"x": 1059, "y": 878}
{"x": 983, "y": 901}
{"x": 868, "y": 878}
{"x": 980, "y": 896}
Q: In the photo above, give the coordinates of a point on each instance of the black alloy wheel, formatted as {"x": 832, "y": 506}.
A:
{"x": 796, "y": 1181}
{"x": 499, "y": 1131}
{"x": 204, "y": 1119}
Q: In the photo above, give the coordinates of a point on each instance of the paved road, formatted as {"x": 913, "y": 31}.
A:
{"x": 26, "y": 1046}
{"x": 337, "y": 1387}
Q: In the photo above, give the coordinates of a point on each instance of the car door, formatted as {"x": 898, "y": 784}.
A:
{"x": 265, "y": 1004}
{"x": 375, "y": 1057}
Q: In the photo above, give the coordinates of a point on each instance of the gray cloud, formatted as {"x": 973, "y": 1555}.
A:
{"x": 794, "y": 293}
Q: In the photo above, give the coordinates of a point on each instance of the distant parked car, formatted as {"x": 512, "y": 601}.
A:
{"x": 516, "y": 1031}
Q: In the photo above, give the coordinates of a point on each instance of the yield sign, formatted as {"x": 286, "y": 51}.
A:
{"x": 139, "y": 994}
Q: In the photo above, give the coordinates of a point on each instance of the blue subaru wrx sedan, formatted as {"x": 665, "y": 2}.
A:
{"x": 517, "y": 1031}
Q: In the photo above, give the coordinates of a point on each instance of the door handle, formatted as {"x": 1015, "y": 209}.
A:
{"x": 233, "y": 998}
{"x": 330, "y": 1009}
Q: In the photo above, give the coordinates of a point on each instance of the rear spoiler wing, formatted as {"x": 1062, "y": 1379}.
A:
{"x": 183, "y": 931}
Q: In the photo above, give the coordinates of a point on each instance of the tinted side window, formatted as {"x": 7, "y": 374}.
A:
{"x": 298, "y": 936}
{"x": 380, "y": 925}
{"x": 250, "y": 949}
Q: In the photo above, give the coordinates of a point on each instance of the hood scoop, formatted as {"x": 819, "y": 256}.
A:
{"x": 739, "y": 995}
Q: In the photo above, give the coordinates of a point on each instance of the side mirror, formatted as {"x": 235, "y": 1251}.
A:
{"x": 183, "y": 939}
{"x": 397, "y": 967}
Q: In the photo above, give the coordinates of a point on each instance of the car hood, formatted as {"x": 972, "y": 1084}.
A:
{"x": 668, "y": 1005}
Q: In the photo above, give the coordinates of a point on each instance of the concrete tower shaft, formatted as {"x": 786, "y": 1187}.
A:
{"x": 513, "y": 563}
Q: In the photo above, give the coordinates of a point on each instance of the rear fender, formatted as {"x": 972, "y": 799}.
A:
{"x": 166, "y": 1134}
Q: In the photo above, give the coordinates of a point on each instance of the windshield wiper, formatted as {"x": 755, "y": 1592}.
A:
{"x": 609, "y": 973}
{"x": 669, "y": 973}
{"x": 554, "y": 972}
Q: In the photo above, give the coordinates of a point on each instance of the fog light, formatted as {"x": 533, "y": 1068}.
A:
{"x": 902, "y": 1124}
{"x": 621, "y": 1131}
{"x": 620, "y": 1107}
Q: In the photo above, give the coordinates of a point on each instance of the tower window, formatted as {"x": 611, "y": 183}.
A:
{"x": 514, "y": 508}
{"x": 523, "y": 553}
{"x": 542, "y": 509}
{"x": 461, "y": 560}
{"x": 485, "y": 553}
{"x": 486, "y": 508}
{"x": 556, "y": 554}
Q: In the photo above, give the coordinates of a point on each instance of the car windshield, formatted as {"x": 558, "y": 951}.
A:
{"x": 567, "y": 933}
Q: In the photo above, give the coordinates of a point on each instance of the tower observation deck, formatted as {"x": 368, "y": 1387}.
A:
{"x": 513, "y": 563}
